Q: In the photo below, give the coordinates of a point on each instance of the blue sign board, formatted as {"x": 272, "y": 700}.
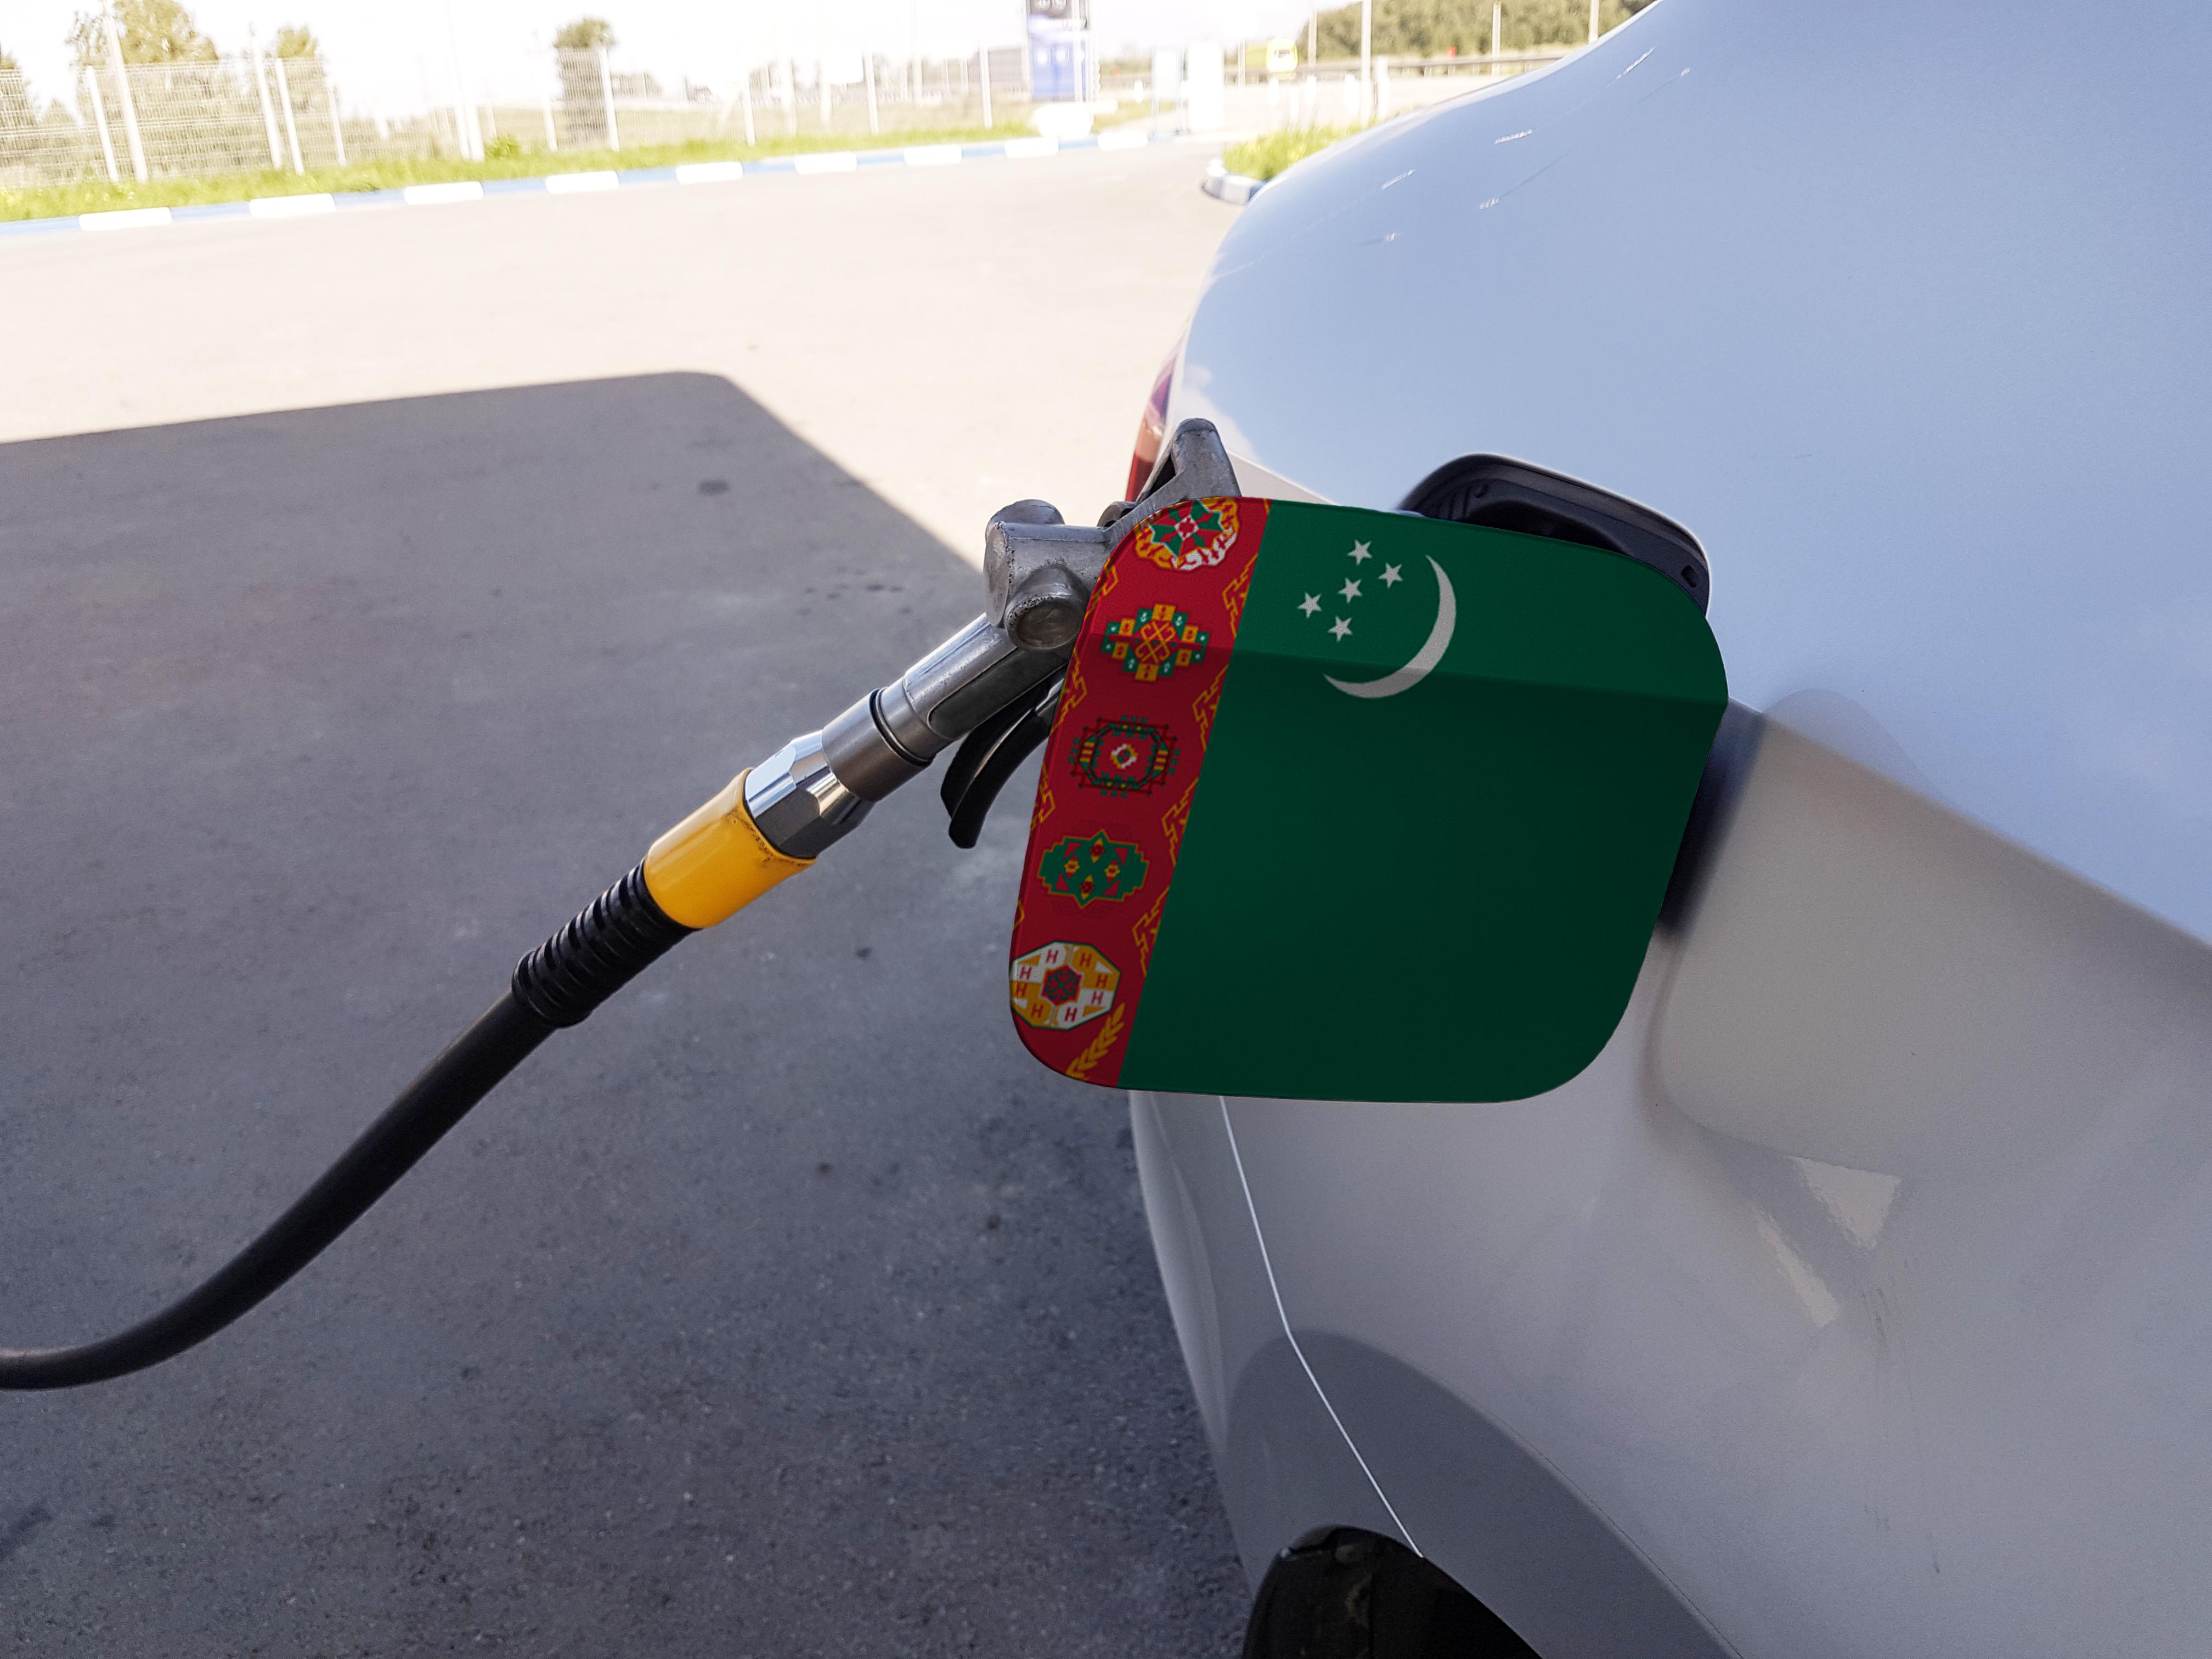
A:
{"x": 1059, "y": 50}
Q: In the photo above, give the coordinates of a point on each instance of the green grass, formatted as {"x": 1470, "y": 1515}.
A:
{"x": 58, "y": 201}
{"x": 1263, "y": 157}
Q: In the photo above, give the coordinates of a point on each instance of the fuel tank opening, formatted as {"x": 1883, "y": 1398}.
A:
{"x": 1489, "y": 489}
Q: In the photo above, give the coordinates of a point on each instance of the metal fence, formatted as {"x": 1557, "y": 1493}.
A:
{"x": 253, "y": 112}
{"x": 240, "y": 114}
{"x": 593, "y": 102}
{"x": 1328, "y": 93}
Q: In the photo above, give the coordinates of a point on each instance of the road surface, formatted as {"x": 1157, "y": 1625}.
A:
{"x": 785, "y": 1308}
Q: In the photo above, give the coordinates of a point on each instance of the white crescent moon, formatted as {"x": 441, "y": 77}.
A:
{"x": 1431, "y": 653}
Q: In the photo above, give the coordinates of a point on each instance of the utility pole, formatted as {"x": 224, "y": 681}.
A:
{"x": 464, "y": 109}
{"x": 100, "y": 121}
{"x": 607, "y": 101}
{"x": 1497, "y": 31}
{"x": 1366, "y": 61}
{"x": 291, "y": 126}
{"x": 822, "y": 57}
{"x": 337, "y": 126}
{"x": 261, "y": 86}
{"x": 123, "y": 90}
{"x": 1089, "y": 38}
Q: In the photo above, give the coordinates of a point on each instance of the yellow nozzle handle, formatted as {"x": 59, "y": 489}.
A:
{"x": 716, "y": 862}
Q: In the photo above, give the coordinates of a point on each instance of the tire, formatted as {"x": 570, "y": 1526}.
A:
{"x": 1345, "y": 1594}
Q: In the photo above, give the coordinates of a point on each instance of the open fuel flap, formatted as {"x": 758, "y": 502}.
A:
{"x": 1348, "y": 804}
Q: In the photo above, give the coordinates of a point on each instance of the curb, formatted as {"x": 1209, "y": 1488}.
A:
{"x": 1233, "y": 188}
{"x": 567, "y": 184}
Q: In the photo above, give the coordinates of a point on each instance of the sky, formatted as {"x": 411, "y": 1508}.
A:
{"x": 396, "y": 53}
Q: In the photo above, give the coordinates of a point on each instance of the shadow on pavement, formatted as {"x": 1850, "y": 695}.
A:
{"x": 786, "y": 1308}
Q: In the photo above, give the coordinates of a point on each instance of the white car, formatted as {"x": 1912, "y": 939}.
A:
{"x": 1853, "y": 1301}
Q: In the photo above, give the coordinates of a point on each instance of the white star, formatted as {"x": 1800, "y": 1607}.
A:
{"x": 1311, "y": 605}
{"x": 1341, "y": 628}
{"x": 1390, "y": 576}
{"x": 1351, "y": 590}
{"x": 1359, "y": 555}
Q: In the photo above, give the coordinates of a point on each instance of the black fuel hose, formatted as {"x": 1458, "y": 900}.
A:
{"x": 559, "y": 984}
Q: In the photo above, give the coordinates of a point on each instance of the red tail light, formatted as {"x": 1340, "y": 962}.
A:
{"x": 1151, "y": 429}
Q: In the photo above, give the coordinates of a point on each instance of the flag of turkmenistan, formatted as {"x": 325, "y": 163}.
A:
{"x": 1346, "y": 805}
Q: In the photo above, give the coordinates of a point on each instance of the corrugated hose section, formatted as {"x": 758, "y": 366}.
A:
{"x": 619, "y": 935}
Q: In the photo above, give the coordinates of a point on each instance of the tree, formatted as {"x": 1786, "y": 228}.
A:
{"x": 152, "y": 31}
{"x": 585, "y": 34}
{"x": 297, "y": 40}
{"x": 577, "y": 49}
{"x": 1432, "y": 29}
{"x": 17, "y": 116}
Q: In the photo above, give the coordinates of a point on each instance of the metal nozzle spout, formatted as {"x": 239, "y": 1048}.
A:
{"x": 1039, "y": 571}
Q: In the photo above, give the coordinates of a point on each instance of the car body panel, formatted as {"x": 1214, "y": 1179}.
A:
{"x": 1856, "y": 1287}
{"x": 1941, "y": 1396}
{"x": 1286, "y": 1465}
{"x": 1909, "y": 339}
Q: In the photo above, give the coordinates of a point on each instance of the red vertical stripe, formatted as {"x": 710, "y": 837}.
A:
{"x": 1121, "y": 771}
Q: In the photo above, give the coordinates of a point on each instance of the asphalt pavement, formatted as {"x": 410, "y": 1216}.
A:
{"x": 784, "y": 1308}
{"x": 954, "y": 337}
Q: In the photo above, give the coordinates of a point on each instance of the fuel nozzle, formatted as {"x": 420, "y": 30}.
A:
{"x": 776, "y": 818}
{"x": 991, "y": 683}
{"x": 817, "y": 788}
